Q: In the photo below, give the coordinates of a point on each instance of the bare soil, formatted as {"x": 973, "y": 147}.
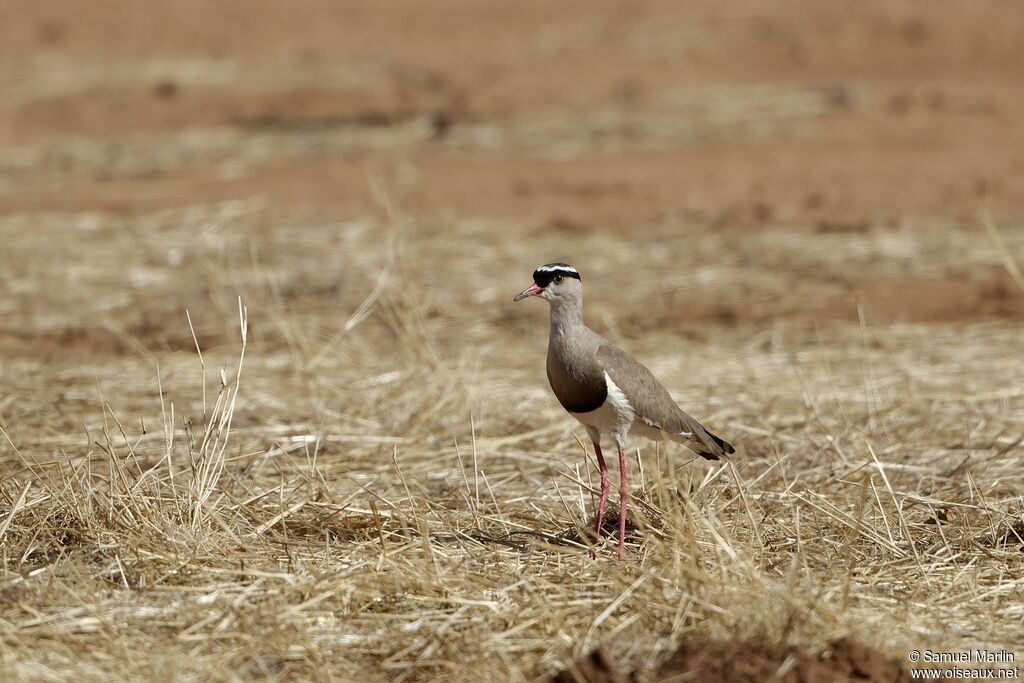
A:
{"x": 705, "y": 660}
{"x": 579, "y": 118}
{"x": 845, "y": 661}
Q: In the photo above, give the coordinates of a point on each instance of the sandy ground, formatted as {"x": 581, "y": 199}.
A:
{"x": 776, "y": 206}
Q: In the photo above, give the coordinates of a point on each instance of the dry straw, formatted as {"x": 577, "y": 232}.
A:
{"x": 391, "y": 494}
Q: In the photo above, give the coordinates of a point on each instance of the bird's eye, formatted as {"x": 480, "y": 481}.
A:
{"x": 557, "y": 279}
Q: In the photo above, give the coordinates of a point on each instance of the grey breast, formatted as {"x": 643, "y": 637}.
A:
{"x": 578, "y": 385}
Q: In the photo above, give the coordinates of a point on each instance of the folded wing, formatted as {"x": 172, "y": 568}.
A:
{"x": 654, "y": 406}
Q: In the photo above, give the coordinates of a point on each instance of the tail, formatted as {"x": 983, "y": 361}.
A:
{"x": 713, "y": 450}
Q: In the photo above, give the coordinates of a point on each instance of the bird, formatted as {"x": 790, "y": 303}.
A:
{"x": 608, "y": 391}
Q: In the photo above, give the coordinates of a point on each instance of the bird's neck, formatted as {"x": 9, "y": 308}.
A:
{"x": 566, "y": 317}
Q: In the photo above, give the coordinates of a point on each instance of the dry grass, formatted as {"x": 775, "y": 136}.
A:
{"x": 389, "y": 492}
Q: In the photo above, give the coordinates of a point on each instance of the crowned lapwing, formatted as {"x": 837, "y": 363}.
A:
{"x": 608, "y": 391}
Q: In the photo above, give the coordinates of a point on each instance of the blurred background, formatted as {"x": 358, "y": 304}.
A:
{"x": 827, "y": 154}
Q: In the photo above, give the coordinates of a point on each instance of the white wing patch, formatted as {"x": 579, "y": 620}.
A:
{"x": 616, "y": 397}
{"x": 621, "y": 414}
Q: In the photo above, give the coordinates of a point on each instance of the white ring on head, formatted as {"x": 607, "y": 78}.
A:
{"x": 552, "y": 269}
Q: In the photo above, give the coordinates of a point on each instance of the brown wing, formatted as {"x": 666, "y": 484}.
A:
{"x": 654, "y": 405}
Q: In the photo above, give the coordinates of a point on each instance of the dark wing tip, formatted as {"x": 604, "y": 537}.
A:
{"x": 721, "y": 443}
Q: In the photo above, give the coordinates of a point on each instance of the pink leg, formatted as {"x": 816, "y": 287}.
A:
{"x": 606, "y": 485}
{"x": 623, "y": 502}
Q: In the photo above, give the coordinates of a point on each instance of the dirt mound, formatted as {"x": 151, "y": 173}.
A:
{"x": 597, "y": 667}
{"x": 703, "y": 659}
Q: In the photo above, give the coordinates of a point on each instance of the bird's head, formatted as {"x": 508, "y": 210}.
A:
{"x": 556, "y": 282}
